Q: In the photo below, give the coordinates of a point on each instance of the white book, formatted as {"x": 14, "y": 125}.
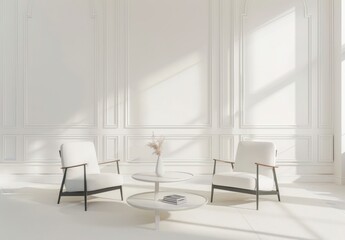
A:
{"x": 174, "y": 202}
{"x": 175, "y": 196}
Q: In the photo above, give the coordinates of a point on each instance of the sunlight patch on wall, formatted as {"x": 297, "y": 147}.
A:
{"x": 276, "y": 71}
{"x": 286, "y": 98}
{"x": 170, "y": 89}
{"x": 187, "y": 64}
{"x": 272, "y": 49}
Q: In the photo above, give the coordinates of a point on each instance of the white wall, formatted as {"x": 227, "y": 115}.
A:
{"x": 204, "y": 73}
{"x": 339, "y": 77}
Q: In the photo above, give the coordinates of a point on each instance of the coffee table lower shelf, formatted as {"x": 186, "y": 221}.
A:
{"x": 153, "y": 201}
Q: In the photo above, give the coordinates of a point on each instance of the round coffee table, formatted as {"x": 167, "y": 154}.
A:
{"x": 153, "y": 200}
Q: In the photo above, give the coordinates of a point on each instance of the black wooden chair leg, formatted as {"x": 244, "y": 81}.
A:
{"x": 121, "y": 193}
{"x": 276, "y": 183}
{"x": 85, "y": 189}
{"x": 257, "y": 187}
{"x": 212, "y": 193}
{"x": 257, "y": 200}
{"x": 62, "y": 184}
{"x": 60, "y": 193}
{"x": 58, "y": 202}
{"x": 85, "y": 202}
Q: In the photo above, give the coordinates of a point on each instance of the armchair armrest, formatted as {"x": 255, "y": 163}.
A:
{"x": 274, "y": 174}
{"x": 73, "y": 166}
{"x": 102, "y": 163}
{"x": 266, "y": 165}
{"x": 112, "y": 161}
{"x": 224, "y": 161}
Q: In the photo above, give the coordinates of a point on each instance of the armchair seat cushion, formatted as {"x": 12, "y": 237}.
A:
{"x": 243, "y": 180}
{"x": 94, "y": 182}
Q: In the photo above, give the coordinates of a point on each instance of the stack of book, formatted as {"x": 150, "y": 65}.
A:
{"x": 174, "y": 199}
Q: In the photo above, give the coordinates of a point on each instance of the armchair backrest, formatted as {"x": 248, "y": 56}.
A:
{"x": 250, "y": 152}
{"x": 75, "y": 153}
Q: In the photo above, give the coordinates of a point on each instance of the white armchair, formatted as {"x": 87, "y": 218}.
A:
{"x": 82, "y": 176}
{"x": 253, "y": 171}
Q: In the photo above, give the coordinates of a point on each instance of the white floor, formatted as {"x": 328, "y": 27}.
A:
{"x": 307, "y": 211}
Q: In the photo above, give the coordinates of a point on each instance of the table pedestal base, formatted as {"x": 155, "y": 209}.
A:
{"x": 157, "y": 219}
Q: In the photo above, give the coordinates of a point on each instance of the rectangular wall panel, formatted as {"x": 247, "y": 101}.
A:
{"x": 9, "y": 148}
{"x": 111, "y": 148}
{"x": 227, "y": 151}
{"x": 325, "y": 146}
{"x": 9, "y": 55}
{"x": 2, "y": 33}
{"x": 113, "y": 61}
{"x": 325, "y": 84}
{"x": 175, "y": 149}
{"x": 169, "y": 81}
{"x": 226, "y": 65}
{"x": 46, "y": 148}
{"x": 60, "y": 67}
{"x": 275, "y": 64}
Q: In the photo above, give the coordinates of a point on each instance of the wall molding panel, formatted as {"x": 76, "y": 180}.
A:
{"x": 2, "y": 34}
{"x": 9, "y": 149}
{"x": 29, "y": 15}
{"x": 227, "y": 22}
{"x": 227, "y": 147}
{"x": 211, "y": 18}
{"x": 325, "y": 147}
{"x": 115, "y": 71}
{"x": 310, "y": 54}
{"x": 325, "y": 65}
{"x": 9, "y": 50}
{"x": 111, "y": 148}
{"x": 112, "y": 61}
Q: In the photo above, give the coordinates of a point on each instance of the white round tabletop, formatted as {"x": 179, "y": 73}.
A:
{"x": 168, "y": 177}
{"x": 146, "y": 201}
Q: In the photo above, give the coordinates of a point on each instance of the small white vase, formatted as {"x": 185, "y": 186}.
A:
{"x": 159, "y": 167}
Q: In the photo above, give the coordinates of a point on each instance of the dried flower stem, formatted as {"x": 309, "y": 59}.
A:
{"x": 156, "y": 144}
